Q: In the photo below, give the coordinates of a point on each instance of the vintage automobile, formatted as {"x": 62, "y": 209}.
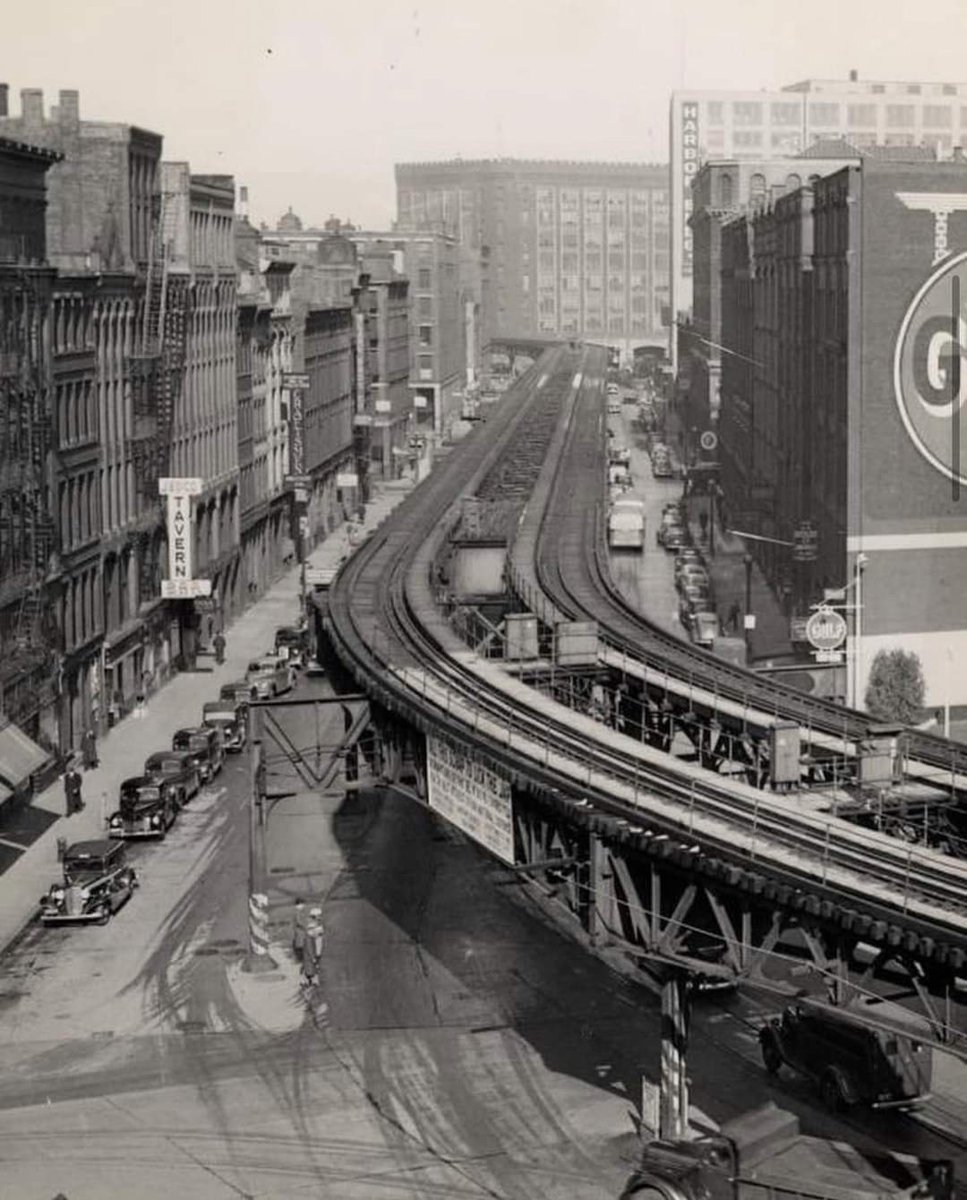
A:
{"x": 177, "y": 767}
{"x": 146, "y": 808}
{"x": 239, "y": 691}
{"x": 204, "y": 744}
{"x": 292, "y": 644}
{"x": 267, "y": 677}
{"x": 96, "y": 882}
{"x": 852, "y": 1060}
{"x": 228, "y": 717}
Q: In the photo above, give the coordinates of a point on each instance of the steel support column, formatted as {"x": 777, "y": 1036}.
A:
{"x": 673, "y": 1110}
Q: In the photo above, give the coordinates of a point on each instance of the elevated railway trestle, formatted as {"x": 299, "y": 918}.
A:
{"x": 683, "y": 868}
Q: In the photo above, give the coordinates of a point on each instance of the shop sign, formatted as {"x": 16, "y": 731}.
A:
{"x": 805, "y": 542}
{"x": 930, "y": 371}
{"x": 297, "y": 457}
{"x": 179, "y": 537}
{"x": 826, "y": 629}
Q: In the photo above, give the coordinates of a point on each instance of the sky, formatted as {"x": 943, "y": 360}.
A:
{"x": 309, "y": 103}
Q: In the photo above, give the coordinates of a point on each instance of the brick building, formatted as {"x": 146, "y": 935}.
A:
{"x": 29, "y": 649}
{"x": 840, "y": 296}
{"x": 105, "y": 224}
{"x": 561, "y": 249}
{"x": 265, "y": 353}
{"x": 328, "y": 454}
{"x": 204, "y": 424}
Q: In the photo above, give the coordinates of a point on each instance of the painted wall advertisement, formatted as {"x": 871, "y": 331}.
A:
{"x": 690, "y": 162}
{"x": 470, "y": 796}
{"x": 297, "y": 386}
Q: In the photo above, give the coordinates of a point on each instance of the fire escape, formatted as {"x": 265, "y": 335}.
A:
{"x": 157, "y": 362}
{"x": 157, "y": 371}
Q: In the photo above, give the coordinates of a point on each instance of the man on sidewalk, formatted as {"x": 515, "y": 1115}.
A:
{"x": 72, "y": 790}
{"x": 90, "y": 750}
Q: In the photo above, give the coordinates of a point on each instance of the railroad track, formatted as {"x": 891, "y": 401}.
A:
{"x": 389, "y": 629}
{"x": 571, "y": 567}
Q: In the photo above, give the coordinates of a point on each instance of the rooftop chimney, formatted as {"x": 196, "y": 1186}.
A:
{"x": 243, "y": 201}
{"x": 854, "y": 76}
{"x": 4, "y": 92}
{"x": 32, "y": 107}
{"x": 69, "y": 107}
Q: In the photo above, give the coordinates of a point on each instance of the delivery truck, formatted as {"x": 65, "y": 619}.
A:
{"x": 626, "y": 525}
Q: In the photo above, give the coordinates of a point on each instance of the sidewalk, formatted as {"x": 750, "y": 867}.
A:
{"x": 28, "y": 843}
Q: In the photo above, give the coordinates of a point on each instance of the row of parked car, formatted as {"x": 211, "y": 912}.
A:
{"x": 696, "y": 604}
{"x": 97, "y": 879}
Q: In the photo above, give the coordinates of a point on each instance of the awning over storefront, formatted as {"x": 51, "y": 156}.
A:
{"x": 20, "y": 757}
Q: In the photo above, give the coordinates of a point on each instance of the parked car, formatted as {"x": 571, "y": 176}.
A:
{"x": 705, "y": 629}
{"x": 675, "y": 537}
{"x": 292, "y": 644}
{"x": 239, "y": 691}
{"x": 853, "y": 1063}
{"x": 694, "y": 600}
{"x": 692, "y": 574}
{"x": 688, "y": 556}
{"x": 267, "y": 677}
{"x": 662, "y": 468}
{"x": 147, "y": 807}
{"x": 229, "y": 718}
{"x": 204, "y": 744}
{"x": 96, "y": 882}
{"x": 177, "y": 767}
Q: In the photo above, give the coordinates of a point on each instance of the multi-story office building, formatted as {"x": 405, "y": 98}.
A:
{"x": 561, "y": 249}
{"x": 28, "y": 564}
{"x": 327, "y": 432}
{"x": 265, "y": 354}
{"x": 763, "y": 124}
{"x": 103, "y": 222}
{"x": 200, "y": 221}
{"x": 721, "y": 190}
{"x": 838, "y": 302}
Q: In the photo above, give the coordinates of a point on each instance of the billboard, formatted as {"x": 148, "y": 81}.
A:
{"x": 911, "y": 301}
{"x": 471, "y": 796}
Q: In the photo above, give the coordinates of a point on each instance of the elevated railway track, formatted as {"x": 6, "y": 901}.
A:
{"x": 648, "y": 841}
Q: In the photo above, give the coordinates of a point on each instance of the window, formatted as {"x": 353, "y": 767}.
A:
{"x": 862, "y": 115}
{"x": 725, "y": 190}
{"x": 793, "y": 182}
{"x": 824, "y": 114}
{"x": 899, "y": 116}
{"x": 757, "y": 187}
{"x": 424, "y": 279}
{"x": 937, "y": 116}
{"x": 913, "y": 89}
{"x": 715, "y": 139}
{"x": 790, "y": 143}
{"x": 426, "y": 336}
{"x": 745, "y": 138}
{"x": 425, "y": 306}
{"x": 713, "y": 112}
{"x": 784, "y": 114}
{"x": 746, "y": 112}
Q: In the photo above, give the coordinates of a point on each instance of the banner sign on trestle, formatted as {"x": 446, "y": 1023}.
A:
{"x": 470, "y": 796}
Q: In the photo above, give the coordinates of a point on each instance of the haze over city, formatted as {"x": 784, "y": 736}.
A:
{"x": 311, "y": 104}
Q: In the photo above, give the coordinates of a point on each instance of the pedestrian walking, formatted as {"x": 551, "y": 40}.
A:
{"x": 300, "y": 922}
{"x": 734, "y": 613}
{"x": 219, "y": 644}
{"x": 72, "y": 790}
{"x": 312, "y": 951}
{"x": 90, "y": 750}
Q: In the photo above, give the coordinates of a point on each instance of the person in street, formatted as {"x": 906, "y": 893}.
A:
{"x": 300, "y": 922}
{"x": 219, "y": 644}
{"x": 90, "y": 750}
{"x": 72, "y": 790}
{"x": 734, "y": 613}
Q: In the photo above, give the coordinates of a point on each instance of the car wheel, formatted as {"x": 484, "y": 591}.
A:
{"x": 829, "y": 1092}
{"x": 104, "y": 915}
{"x": 771, "y": 1058}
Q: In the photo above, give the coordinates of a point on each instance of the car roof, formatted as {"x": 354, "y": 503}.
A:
{"x": 139, "y": 781}
{"x": 181, "y": 755}
{"x": 193, "y": 729}
{"x": 98, "y": 848}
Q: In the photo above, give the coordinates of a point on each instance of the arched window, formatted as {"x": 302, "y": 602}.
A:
{"x": 793, "y": 182}
{"x": 725, "y": 191}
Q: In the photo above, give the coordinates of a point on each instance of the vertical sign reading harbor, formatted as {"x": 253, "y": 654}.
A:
{"x": 689, "y": 169}
{"x": 471, "y": 796}
{"x": 297, "y": 386}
